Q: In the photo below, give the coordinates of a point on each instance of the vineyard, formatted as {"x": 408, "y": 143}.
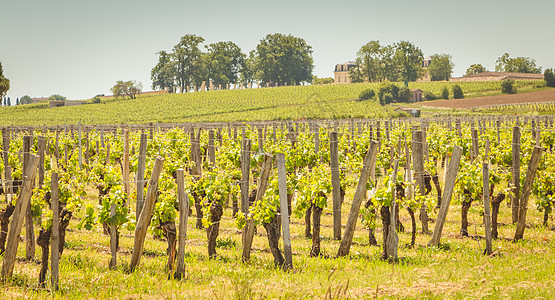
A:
{"x": 282, "y": 103}
{"x": 334, "y": 209}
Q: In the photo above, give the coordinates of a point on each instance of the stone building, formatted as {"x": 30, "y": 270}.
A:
{"x": 342, "y": 72}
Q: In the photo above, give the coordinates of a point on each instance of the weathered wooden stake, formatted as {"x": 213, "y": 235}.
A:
{"x": 55, "y": 232}
{"x": 450, "y": 178}
{"x": 141, "y": 175}
{"x": 336, "y": 185}
{"x": 487, "y": 208}
{"x": 126, "y": 183}
{"x": 526, "y": 190}
{"x": 360, "y": 193}
{"x": 516, "y": 173}
{"x": 284, "y": 211}
{"x": 146, "y": 214}
{"x": 183, "y": 216}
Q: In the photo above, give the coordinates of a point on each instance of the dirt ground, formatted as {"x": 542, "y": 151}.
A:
{"x": 540, "y": 96}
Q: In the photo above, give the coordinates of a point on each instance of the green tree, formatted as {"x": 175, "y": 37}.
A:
{"x": 4, "y": 83}
{"x": 284, "y": 59}
{"x": 475, "y": 69}
{"x": 355, "y": 75}
{"x": 445, "y": 93}
{"x": 408, "y": 59}
{"x": 508, "y": 86}
{"x": 188, "y": 61}
{"x": 126, "y": 88}
{"x": 441, "y": 67}
{"x": 325, "y": 80}
{"x": 17, "y": 101}
{"x": 9, "y": 102}
{"x": 370, "y": 61}
{"x": 458, "y": 92}
{"x": 56, "y": 97}
{"x": 549, "y": 77}
{"x": 366, "y": 94}
{"x": 225, "y": 61}
{"x": 248, "y": 72}
{"x": 164, "y": 73}
{"x": 26, "y": 100}
{"x": 505, "y": 63}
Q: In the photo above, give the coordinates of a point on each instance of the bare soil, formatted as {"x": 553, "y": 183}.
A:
{"x": 532, "y": 97}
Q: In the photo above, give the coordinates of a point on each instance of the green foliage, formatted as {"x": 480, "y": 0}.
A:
{"x": 325, "y": 80}
{"x": 366, "y": 94}
{"x": 388, "y": 93}
{"x": 508, "y": 86}
{"x": 96, "y": 100}
{"x": 57, "y": 97}
{"x": 126, "y": 88}
{"x": 404, "y": 94}
{"x": 445, "y": 93}
{"x": 26, "y": 100}
{"x": 429, "y": 95}
{"x": 224, "y": 61}
{"x": 408, "y": 59}
{"x": 441, "y": 67}
{"x": 475, "y": 69}
{"x": 505, "y": 63}
{"x": 4, "y": 83}
{"x": 549, "y": 77}
{"x": 163, "y": 75}
{"x": 284, "y": 59}
{"x": 457, "y": 92}
{"x": 187, "y": 58}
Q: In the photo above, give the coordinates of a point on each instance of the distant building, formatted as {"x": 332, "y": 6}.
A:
{"x": 413, "y": 112}
{"x": 342, "y": 72}
{"x": 416, "y": 95}
{"x": 496, "y": 76}
{"x": 58, "y": 103}
{"x": 425, "y": 64}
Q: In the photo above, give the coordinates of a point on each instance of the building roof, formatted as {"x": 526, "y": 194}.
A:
{"x": 489, "y": 76}
{"x": 349, "y": 63}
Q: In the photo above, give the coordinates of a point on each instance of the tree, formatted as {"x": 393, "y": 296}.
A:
{"x": 249, "y": 70}
{"x": 375, "y": 63}
{"x": 284, "y": 59}
{"x": 408, "y": 59}
{"x": 505, "y": 63}
{"x": 458, "y": 92}
{"x": 126, "y": 88}
{"x": 26, "y": 100}
{"x": 324, "y": 80}
{"x": 508, "y": 86}
{"x": 475, "y": 69}
{"x": 4, "y": 83}
{"x": 441, "y": 67}
{"x": 225, "y": 61}
{"x": 9, "y": 102}
{"x": 188, "y": 60}
{"x": 366, "y": 94}
{"x": 549, "y": 77}
{"x": 164, "y": 73}
{"x": 17, "y": 101}
{"x": 56, "y": 97}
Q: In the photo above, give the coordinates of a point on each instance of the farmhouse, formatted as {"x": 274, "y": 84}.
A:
{"x": 341, "y": 72}
{"x": 58, "y": 103}
{"x": 413, "y": 112}
{"x": 416, "y": 95}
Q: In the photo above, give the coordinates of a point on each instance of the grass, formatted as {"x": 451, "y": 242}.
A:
{"x": 282, "y": 103}
{"x": 456, "y": 269}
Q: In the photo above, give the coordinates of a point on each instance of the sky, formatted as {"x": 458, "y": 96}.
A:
{"x": 81, "y": 48}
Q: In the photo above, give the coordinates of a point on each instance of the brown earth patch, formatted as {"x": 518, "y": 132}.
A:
{"x": 532, "y": 97}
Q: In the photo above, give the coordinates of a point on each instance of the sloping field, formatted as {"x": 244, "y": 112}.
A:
{"x": 532, "y": 97}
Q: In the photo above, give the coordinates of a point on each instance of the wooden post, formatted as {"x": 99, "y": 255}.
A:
{"x": 260, "y": 141}
{"x": 392, "y": 238}
{"x": 336, "y": 186}
{"x": 262, "y": 186}
{"x": 29, "y": 229}
{"x": 80, "y": 150}
{"x": 113, "y": 238}
{"x": 6, "y": 153}
{"x": 55, "y": 232}
{"x": 526, "y": 190}
{"x": 146, "y": 214}
{"x": 18, "y": 216}
{"x": 487, "y": 209}
{"x": 183, "y": 215}
{"x": 141, "y": 175}
{"x": 211, "y": 148}
{"x": 284, "y": 211}
{"x": 475, "y": 146}
{"x": 450, "y": 178}
{"x": 126, "y": 183}
{"x": 516, "y": 173}
{"x": 245, "y": 173}
{"x": 418, "y": 160}
{"x": 360, "y": 193}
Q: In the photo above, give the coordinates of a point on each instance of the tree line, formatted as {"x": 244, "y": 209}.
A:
{"x": 277, "y": 60}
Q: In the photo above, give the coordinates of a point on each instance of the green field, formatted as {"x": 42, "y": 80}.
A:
{"x": 282, "y": 103}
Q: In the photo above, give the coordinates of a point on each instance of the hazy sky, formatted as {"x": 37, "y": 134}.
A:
{"x": 80, "y": 48}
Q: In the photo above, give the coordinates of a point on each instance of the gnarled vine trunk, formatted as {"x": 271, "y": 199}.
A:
{"x": 495, "y": 203}
{"x": 4, "y": 225}
{"x": 170, "y": 232}
{"x": 413, "y": 224}
{"x": 272, "y": 230}
{"x": 386, "y": 221}
{"x": 464, "y": 217}
{"x": 316, "y": 217}
{"x": 43, "y": 240}
{"x": 212, "y": 232}
{"x": 307, "y": 230}
{"x": 198, "y": 208}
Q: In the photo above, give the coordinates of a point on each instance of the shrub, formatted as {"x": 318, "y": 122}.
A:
{"x": 549, "y": 77}
{"x": 458, "y": 92}
{"x": 404, "y": 94}
{"x": 508, "y": 86}
{"x": 96, "y": 100}
{"x": 429, "y": 95}
{"x": 366, "y": 94}
{"x": 445, "y": 93}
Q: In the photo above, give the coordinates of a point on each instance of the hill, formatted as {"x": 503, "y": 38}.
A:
{"x": 282, "y": 103}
